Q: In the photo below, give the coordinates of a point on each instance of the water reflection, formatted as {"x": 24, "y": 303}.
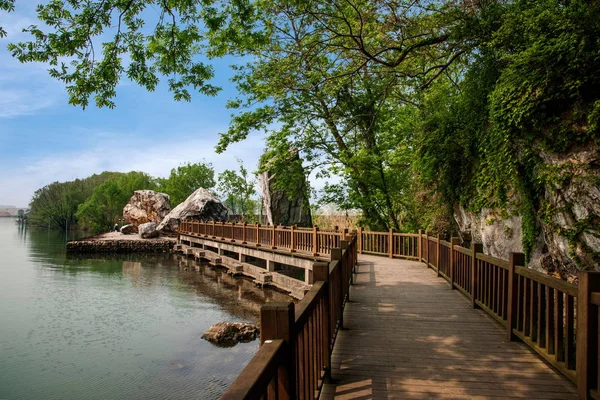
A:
{"x": 122, "y": 326}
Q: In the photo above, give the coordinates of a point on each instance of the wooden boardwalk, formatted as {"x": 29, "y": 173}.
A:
{"x": 408, "y": 335}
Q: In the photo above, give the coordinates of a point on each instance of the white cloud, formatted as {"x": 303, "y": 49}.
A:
{"x": 17, "y": 102}
{"x": 24, "y": 88}
{"x": 113, "y": 153}
{"x": 20, "y": 181}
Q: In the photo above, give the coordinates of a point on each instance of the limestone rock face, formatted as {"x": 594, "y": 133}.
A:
{"x": 281, "y": 209}
{"x": 146, "y": 206}
{"x": 499, "y": 236}
{"x": 148, "y": 230}
{"x": 573, "y": 233}
{"x": 569, "y": 220}
{"x": 228, "y": 334}
{"x": 129, "y": 229}
{"x": 201, "y": 205}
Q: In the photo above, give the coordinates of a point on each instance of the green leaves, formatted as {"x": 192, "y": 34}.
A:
{"x": 186, "y": 179}
{"x": 237, "y": 190}
{"x": 8, "y": 6}
{"x": 90, "y": 46}
{"x": 105, "y": 206}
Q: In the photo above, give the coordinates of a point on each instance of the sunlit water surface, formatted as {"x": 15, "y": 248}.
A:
{"x": 120, "y": 327}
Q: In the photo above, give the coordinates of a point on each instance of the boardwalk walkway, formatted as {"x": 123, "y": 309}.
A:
{"x": 408, "y": 335}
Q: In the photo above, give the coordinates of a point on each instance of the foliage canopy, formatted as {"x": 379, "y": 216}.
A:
{"x": 418, "y": 107}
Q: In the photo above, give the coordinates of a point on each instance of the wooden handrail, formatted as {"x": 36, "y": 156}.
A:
{"x": 300, "y": 338}
{"x": 252, "y": 383}
{"x": 313, "y": 241}
{"x": 493, "y": 260}
{"x": 308, "y": 303}
{"x": 554, "y": 283}
{"x": 542, "y": 311}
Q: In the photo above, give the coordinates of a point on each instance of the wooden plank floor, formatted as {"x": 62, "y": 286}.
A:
{"x": 408, "y": 335}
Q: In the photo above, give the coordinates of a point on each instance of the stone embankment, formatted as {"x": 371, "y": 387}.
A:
{"x": 116, "y": 242}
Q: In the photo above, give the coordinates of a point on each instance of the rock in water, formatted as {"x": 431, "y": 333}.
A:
{"x": 280, "y": 207}
{"x": 148, "y": 230}
{"x": 201, "y": 204}
{"x": 228, "y": 334}
{"x": 146, "y": 206}
{"x": 129, "y": 229}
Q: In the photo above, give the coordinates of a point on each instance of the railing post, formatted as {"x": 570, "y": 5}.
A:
{"x": 514, "y": 259}
{"x": 437, "y": 257}
{"x": 273, "y": 237}
{"x": 213, "y": 229}
{"x": 587, "y": 334}
{"x": 315, "y": 241}
{"x": 321, "y": 273}
{"x": 292, "y": 241}
{"x": 391, "y": 243}
{"x": 426, "y": 249}
{"x": 475, "y": 248}
{"x": 454, "y": 241}
{"x": 420, "y": 246}
{"x": 336, "y": 255}
{"x": 344, "y": 244}
{"x": 244, "y": 233}
{"x": 360, "y": 240}
{"x": 222, "y": 230}
{"x": 277, "y": 322}
{"x": 257, "y": 235}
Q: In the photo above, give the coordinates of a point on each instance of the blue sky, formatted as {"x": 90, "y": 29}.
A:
{"x": 44, "y": 139}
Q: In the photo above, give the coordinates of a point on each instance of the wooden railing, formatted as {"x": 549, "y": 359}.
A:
{"x": 294, "y": 358}
{"x": 311, "y": 241}
{"x": 556, "y": 319}
{"x": 391, "y": 244}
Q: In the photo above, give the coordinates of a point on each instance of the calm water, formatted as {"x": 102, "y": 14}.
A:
{"x": 126, "y": 327}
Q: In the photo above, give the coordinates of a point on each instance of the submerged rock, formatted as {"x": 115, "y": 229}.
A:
{"x": 146, "y": 206}
{"x": 148, "y": 230}
{"x": 129, "y": 229}
{"x": 228, "y": 334}
{"x": 201, "y": 204}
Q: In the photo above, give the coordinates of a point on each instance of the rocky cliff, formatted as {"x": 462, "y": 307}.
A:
{"x": 568, "y": 217}
{"x": 281, "y": 206}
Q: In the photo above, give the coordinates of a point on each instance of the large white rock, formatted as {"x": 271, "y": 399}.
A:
{"x": 146, "y": 206}
{"x": 148, "y": 230}
{"x": 201, "y": 204}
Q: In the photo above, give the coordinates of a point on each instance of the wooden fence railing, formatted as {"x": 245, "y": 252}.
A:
{"x": 556, "y": 319}
{"x": 301, "y": 240}
{"x": 294, "y": 358}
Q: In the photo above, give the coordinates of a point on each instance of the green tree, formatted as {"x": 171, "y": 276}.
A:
{"x": 529, "y": 93}
{"x": 105, "y": 207}
{"x": 91, "y": 45}
{"x": 186, "y": 179}
{"x": 237, "y": 188}
{"x": 55, "y": 205}
{"x": 328, "y": 72}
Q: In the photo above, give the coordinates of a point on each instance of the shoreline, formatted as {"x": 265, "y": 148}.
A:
{"x": 116, "y": 242}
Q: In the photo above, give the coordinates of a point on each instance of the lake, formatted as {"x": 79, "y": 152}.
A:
{"x": 114, "y": 327}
